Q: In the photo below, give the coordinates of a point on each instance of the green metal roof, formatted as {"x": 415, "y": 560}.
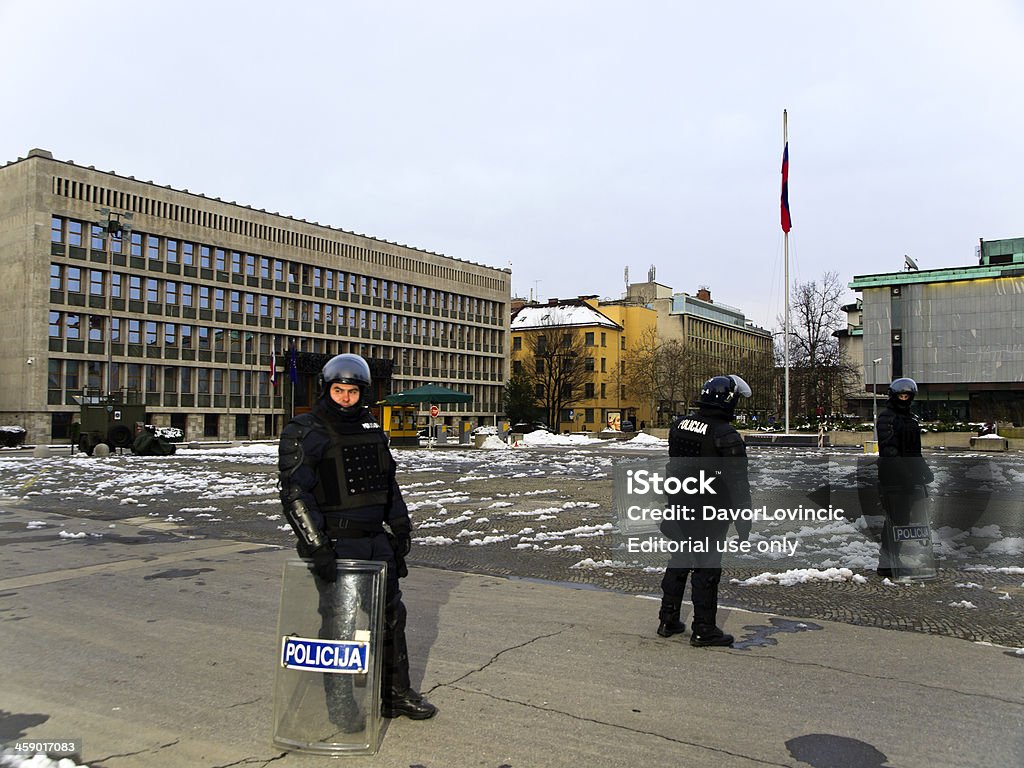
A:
{"x": 980, "y": 272}
{"x": 428, "y": 393}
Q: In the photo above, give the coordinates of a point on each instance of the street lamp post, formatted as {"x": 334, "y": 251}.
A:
{"x": 116, "y": 224}
{"x": 874, "y": 398}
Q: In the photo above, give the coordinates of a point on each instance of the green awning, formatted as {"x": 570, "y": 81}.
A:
{"x": 428, "y": 393}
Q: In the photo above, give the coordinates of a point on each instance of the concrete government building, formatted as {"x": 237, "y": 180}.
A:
{"x": 956, "y": 331}
{"x": 110, "y": 284}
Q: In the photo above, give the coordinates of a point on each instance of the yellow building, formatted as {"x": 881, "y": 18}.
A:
{"x": 717, "y": 339}
{"x": 602, "y": 336}
{"x": 652, "y": 339}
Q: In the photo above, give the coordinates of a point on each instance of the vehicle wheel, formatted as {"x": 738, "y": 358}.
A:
{"x": 85, "y": 445}
{"x": 119, "y": 436}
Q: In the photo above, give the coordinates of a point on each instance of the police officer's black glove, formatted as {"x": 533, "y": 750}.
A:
{"x": 325, "y": 562}
{"x": 401, "y": 541}
{"x": 403, "y": 545}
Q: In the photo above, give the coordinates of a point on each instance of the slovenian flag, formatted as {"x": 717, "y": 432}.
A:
{"x": 273, "y": 363}
{"x": 787, "y": 222}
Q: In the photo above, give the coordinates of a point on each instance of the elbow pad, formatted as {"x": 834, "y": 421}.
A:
{"x": 302, "y": 522}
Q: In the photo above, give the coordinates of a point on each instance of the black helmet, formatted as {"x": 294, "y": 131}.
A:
{"x": 902, "y": 387}
{"x": 723, "y": 392}
{"x": 345, "y": 369}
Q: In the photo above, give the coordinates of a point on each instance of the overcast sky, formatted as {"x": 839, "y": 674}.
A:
{"x": 566, "y": 139}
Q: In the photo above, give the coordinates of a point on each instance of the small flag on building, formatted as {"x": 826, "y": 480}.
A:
{"x": 787, "y": 222}
{"x": 273, "y": 362}
{"x": 293, "y": 371}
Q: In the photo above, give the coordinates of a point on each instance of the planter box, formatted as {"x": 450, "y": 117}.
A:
{"x": 989, "y": 443}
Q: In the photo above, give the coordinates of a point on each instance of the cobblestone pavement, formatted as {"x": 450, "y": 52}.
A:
{"x": 547, "y": 513}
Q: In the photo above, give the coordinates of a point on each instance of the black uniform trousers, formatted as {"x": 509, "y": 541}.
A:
{"x": 898, "y": 503}
{"x": 338, "y": 606}
{"x": 703, "y": 591}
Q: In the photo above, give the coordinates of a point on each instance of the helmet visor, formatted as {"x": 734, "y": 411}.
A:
{"x": 742, "y": 388}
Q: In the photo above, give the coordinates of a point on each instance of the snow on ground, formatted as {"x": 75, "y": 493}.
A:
{"x": 1011, "y": 545}
{"x": 540, "y": 437}
{"x": 1014, "y": 570}
{"x": 493, "y": 442}
{"x": 643, "y": 440}
{"x": 9, "y": 759}
{"x": 801, "y": 576}
{"x": 534, "y": 520}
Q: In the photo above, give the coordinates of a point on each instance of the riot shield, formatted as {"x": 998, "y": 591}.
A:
{"x": 331, "y": 636}
{"x": 906, "y": 549}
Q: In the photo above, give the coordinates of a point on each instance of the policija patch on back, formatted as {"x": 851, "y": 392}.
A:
{"x": 693, "y": 425}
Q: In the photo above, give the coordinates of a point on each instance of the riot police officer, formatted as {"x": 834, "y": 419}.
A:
{"x": 338, "y": 488}
{"x": 902, "y": 470}
{"x": 698, "y": 442}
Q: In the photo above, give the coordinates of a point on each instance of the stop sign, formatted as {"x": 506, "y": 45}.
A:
{"x": 434, "y": 410}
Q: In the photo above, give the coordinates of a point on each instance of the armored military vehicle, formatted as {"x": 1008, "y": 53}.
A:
{"x": 113, "y": 419}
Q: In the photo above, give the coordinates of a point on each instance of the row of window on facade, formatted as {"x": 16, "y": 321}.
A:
{"x": 730, "y": 337}
{"x": 80, "y": 325}
{"x": 712, "y": 337}
{"x": 168, "y": 250}
{"x": 172, "y": 293}
{"x": 589, "y": 340}
{"x": 71, "y": 377}
{"x": 70, "y": 325}
{"x": 589, "y": 364}
{"x": 590, "y": 392}
{"x": 151, "y": 333}
{"x": 74, "y": 375}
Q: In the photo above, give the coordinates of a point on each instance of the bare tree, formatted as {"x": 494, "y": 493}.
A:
{"x": 756, "y": 369}
{"x": 556, "y": 365}
{"x": 662, "y": 373}
{"x": 819, "y": 376}
{"x": 669, "y": 375}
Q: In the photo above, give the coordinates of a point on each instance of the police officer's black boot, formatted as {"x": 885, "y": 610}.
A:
{"x": 709, "y": 636}
{"x": 668, "y": 617}
{"x": 398, "y": 696}
{"x": 342, "y": 708}
{"x": 704, "y": 630}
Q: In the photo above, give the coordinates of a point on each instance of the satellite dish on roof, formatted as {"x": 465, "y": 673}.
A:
{"x": 909, "y": 264}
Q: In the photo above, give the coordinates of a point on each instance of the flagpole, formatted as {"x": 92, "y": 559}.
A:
{"x": 785, "y": 343}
